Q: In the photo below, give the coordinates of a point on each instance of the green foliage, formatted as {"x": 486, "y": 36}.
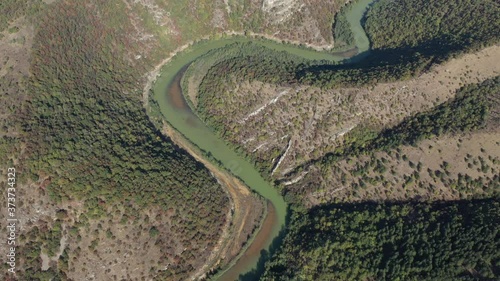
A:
{"x": 153, "y": 231}
{"x": 95, "y": 141}
{"x": 42, "y": 238}
{"x": 342, "y": 28}
{"x": 239, "y": 61}
{"x": 342, "y": 31}
{"x": 466, "y": 112}
{"x": 404, "y": 241}
{"x": 248, "y": 60}
{"x": 443, "y": 25}
{"x": 10, "y": 10}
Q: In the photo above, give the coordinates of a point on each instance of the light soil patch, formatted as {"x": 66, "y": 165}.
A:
{"x": 46, "y": 259}
{"x": 120, "y": 246}
{"x": 15, "y": 47}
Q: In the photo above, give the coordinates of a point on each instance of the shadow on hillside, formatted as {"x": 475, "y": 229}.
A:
{"x": 265, "y": 255}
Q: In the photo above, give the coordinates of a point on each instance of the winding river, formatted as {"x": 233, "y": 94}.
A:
{"x": 175, "y": 111}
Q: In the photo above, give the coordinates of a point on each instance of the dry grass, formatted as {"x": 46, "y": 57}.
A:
{"x": 437, "y": 162}
{"x": 315, "y": 120}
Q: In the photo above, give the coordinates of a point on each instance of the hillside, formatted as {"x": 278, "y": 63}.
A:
{"x": 262, "y": 118}
{"x": 103, "y": 182}
{"x": 87, "y": 157}
{"x": 454, "y": 240}
{"x": 446, "y": 153}
{"x": 404, "y": 143}
{"x": 401, "y": 136}
{"x": 283, "y": 123}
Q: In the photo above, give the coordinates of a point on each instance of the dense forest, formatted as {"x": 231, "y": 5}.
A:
{"x": 93, "y": 143}
{"x": 439, "y": 25}
{"x": 392, "y": 241}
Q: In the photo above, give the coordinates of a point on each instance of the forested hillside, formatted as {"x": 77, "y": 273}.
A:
{"x": 384, "y": 64}
{"x": 253, "y": 62}
{"x": 408, "y": 37}
{"x": 467, "y": 111}
{"x": 435, "y": 26}
{"x": 91, "y": 143}
{"x": 392, "y": 241}
{"x": 370, "y": 164}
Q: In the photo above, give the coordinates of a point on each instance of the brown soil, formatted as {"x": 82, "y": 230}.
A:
{"x": 247, "y": 210}
{"x": 253, "y": 251}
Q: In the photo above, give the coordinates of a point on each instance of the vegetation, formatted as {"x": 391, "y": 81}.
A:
{"x": 342, "y": 30}
{"x": 252, "y": 61}
{"x": 95, "y": 143}
{"x": 90, "y": 141}
{"x": 363, "y": 163}
{"x": 442, "y": 26}
{"x": 11, "y": 10}
{"x": 466, "y": 112}
{"x": 391, "y": 241}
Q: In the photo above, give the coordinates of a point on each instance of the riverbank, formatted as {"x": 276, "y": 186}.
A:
{"x": 193, "y": 129}
{"x": 153, "y": 75}
{"x": 244, "y": 205}
{"x": 215, "y": 150}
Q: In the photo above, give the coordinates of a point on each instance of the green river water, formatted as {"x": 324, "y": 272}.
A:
{"x": 193, "y": 129}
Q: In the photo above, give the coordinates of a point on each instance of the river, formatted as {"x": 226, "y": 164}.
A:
{"x": 167, "y": 93}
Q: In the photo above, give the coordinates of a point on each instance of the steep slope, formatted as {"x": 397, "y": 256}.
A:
{"x": 261, "y": 117}
{"x": 455, "y": 240}
{"x": 98, "y": 181}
